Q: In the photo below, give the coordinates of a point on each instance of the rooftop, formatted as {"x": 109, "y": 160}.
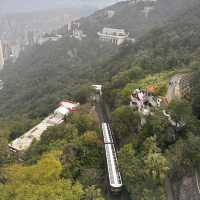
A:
{"x": 114, "y": 31}
{"x": 69, "y": 104}
{"x": 23, "y": 143}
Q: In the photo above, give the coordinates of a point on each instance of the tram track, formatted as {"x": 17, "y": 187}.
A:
{"x": 105, "y": 121}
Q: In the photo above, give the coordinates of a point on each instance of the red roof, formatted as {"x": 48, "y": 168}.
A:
{"x": 73, "y": 110}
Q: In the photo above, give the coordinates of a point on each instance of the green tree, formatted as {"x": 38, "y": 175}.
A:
{"x": 132, "y": 173}
{"x": 83, "y": 94}
{"x": 91, "y": 193}
{"x": 145, "y": 172}
{"x": 155, "y": 164}
{"x": 40, "y": 182}
{"x": 4, "y": 151}
{"x": 125, "y": 122}
{"x": 83, "y": 122}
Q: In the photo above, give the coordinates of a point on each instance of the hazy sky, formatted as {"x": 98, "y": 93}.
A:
{"x": 9, "y": 6}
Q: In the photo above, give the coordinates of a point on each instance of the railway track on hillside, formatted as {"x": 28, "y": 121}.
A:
{"x": 115, "y": 189}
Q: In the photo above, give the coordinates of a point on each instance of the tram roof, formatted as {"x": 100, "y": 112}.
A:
{"x": 112, "y": 164}
{"x": 106, "y": 133}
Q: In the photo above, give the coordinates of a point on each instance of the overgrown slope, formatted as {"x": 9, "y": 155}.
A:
{"x": 157, "y": 152}
{"x": 148, "y": 154}
{"x": 44, "y": 75}
{"x": 173, "y": 46}
{"x": 131, "y": 16}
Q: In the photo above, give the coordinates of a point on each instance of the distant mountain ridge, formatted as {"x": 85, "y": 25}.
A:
{"x": 131, "y": 16}
{"x": 10, "y": 6}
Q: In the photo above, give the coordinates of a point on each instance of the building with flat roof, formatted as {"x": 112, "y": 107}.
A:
{"x": 115, "y": 36}
{"x": 24, "y": 142}
{"x": 147, "y": 10}
{"x": 77, "y": 33}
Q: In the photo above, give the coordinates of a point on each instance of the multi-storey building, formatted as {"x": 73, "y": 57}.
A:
{"x": 116, "y": 36}
{"x": 1, "y": 56}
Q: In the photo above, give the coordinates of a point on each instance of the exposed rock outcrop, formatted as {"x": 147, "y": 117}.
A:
{"x": 179, "y": 87}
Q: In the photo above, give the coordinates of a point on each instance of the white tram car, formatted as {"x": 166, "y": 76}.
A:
{"x": 114, "y": 175}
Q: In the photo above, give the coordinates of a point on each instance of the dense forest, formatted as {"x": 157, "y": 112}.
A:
{"x": 174, "y": 46}
{"x": 46, "y": 74}
{"x": 157, "y": 151}
{"x": 68, "y": 162}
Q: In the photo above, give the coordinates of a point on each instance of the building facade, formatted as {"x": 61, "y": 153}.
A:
{"x": 115, "y": 36}
{"x": 77, "y": 33}
{"x": 1, "y": 56}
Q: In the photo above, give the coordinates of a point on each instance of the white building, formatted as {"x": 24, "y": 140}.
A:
{"x": 110, "y": 13}
{"x": 115, "y": 36}
{"x": 1, "y": 56}
{"x": 61, "y": 112}
{"x": 98, "y": 88}
{"x": 16, "y": 49}
{"x": 1, "y": 84}
{"x": 70, "y": 105}
{"x": 24, "y": 142}
{"x": 78, "y": 34}
{"x": 147, "y": 10}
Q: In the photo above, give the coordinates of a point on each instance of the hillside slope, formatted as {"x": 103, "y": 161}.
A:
{"x": 44, "y": 75}
{"x": 132, "y": 17}
{"x": 157, "y": 152}
{"x": 148, "y": 155}
{"x": 174, "y": 45}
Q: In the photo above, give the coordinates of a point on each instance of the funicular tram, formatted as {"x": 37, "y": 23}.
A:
{"x": 115, "y": 180}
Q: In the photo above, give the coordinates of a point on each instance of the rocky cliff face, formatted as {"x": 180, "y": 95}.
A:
{"x": 179, "y": 87}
